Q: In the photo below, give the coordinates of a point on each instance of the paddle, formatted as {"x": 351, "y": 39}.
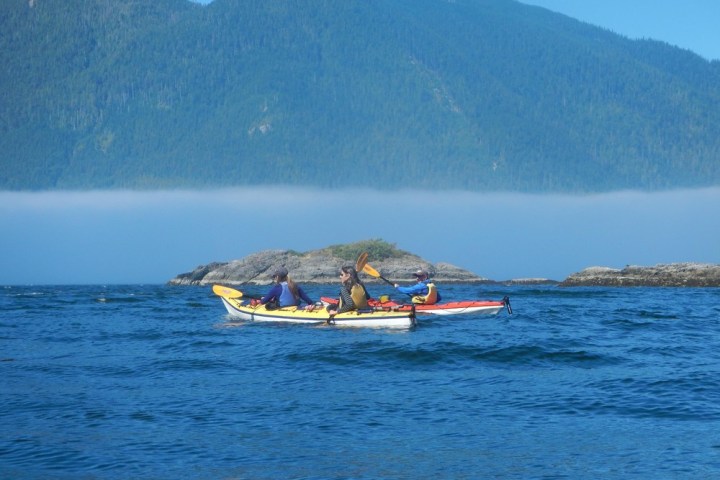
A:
{"x": 374, "y": 273}
{"x": 361, "y": 262}
{"x": 226, "y": 292}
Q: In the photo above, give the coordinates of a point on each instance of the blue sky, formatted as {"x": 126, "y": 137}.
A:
{"x": 688, "y": 24}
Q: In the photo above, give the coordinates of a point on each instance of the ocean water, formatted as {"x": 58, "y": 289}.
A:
{"x": 152, "y": 381}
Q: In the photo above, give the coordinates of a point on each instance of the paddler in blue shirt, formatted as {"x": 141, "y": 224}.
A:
{"x": 285, "y": 292}
{"x": 424, "y": 291}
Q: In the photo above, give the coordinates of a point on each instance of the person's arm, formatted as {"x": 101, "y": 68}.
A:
{"x": 303, "y": 295}
{"x": 274, "y": 292}
{"x": 417, "y": 289}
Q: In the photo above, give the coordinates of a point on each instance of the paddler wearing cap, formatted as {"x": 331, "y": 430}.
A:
{"x": 424, "y": 291}
{"x": 285, "y": 292}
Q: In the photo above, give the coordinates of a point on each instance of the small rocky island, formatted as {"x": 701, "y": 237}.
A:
{"x": 662, "y": 275}
{"x": 321, "y": 266}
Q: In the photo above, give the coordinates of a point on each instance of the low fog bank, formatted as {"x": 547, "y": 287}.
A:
{"x": 149, "y": 237}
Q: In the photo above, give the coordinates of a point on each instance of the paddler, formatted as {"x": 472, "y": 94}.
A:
{"x": 285, "y": 292}
{"x": 424, "y": 291}
{"x": 353, "y": 295}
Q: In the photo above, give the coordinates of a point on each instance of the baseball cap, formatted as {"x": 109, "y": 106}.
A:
{"x": 280, "y": 272}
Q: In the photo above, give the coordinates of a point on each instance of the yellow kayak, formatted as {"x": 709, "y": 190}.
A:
{"x": 381, "y": 318}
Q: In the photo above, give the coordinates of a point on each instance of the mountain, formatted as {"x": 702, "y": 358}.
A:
{"x": 481, "y": 95}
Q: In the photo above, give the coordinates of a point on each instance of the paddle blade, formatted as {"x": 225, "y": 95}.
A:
{"x": 371, "y": 271}
{"x": 361, "y": 262}
{"x": 226, "y": 292}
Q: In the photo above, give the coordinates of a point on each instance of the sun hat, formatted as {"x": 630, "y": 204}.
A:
{"x": 421, "y": 273}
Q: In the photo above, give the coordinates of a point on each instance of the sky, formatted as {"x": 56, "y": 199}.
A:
{"x": 688, "y": 24}
{"x": 129, "y": 237}
{"x": 123, "y": 237}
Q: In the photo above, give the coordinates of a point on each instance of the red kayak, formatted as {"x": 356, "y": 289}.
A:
{"x": 483, "y": 307}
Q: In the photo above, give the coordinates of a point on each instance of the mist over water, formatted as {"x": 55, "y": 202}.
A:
{"x": 149, "y": 237}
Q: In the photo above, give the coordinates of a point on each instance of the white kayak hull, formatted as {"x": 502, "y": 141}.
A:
{"x": 373, "y": 319}
{"x": 483, "y": 310}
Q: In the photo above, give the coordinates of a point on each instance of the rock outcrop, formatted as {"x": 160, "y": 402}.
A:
{"x": 524, "y": 282}
{"x": 662, "y": 275}
{"x": 318, "y": 266}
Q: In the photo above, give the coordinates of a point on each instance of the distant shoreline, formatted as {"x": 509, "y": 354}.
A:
{"x": 661, "y": 275}
{"x": 320, "y": 267}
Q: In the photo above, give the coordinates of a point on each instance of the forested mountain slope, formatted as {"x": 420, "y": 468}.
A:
{"x": 471, "y": 94}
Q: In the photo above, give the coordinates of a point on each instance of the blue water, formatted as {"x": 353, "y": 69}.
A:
{"x": 156, "y": 382}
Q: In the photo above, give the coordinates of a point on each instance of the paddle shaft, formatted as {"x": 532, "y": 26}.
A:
{"x": 374, "y": 273}
{"x": 386, "y": 281}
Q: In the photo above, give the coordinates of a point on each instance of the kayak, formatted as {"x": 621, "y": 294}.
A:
{"x": 372, "y": 317}
{"x": 482, "y": 307}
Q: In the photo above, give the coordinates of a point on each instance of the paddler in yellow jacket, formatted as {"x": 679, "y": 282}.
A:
{"x": 424, "y": 291}
{"x": 352, "y": 292}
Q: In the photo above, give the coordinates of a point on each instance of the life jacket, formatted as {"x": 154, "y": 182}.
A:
{"x": 359, "y": 296}
{"x": 430, "y": 298}
{"x": 286, "y": 297}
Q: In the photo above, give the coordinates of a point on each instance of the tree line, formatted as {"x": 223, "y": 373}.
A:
{"x": 473, "y": 94}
